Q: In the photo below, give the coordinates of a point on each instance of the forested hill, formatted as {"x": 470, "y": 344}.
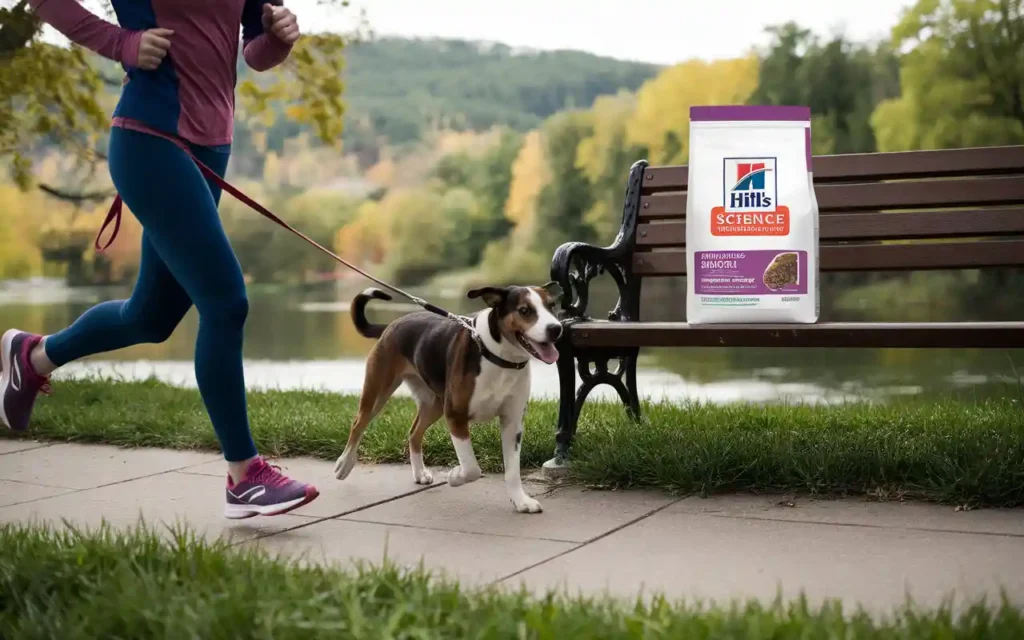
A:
{"x": 399, "y": 88}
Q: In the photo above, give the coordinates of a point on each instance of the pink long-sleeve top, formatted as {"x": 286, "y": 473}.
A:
{"x": 191, "y": 95}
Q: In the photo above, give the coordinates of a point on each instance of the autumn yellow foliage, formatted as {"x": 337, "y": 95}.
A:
{"x": 661, "y": 122}
{"x": 529, "y": 175}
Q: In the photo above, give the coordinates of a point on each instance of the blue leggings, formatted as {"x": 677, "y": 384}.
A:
{"x": 186, "y": 260}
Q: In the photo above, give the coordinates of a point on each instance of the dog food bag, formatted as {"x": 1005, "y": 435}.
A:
{"x": 751, "y": 217}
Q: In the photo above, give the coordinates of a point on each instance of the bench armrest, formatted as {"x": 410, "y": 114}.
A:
{"x": 575, "y": 264}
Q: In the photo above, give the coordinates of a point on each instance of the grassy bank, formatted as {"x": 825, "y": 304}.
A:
{"x": 134, "y": 585}
{"x": 948, "y": 452}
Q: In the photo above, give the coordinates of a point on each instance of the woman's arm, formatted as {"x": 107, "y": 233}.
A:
{"x": 268, "y": 33}
{"x": 83, "y": 28}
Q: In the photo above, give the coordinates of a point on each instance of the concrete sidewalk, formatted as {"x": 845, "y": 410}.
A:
{"x": 618, "y": 542}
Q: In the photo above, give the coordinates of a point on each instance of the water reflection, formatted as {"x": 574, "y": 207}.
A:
{"x": 305, "y": 339}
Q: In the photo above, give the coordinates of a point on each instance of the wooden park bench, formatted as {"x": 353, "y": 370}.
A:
{"x": 957, "y": 209}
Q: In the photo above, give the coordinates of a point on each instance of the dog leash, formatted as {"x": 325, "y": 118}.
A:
{"x": 114, "y": 216}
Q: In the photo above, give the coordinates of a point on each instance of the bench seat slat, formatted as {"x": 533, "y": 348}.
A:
{"x": 866, "y": 167}
{"x": 876, "y": 226}
{"x": 871, "y": 257}
{"x": 919, "y": 335}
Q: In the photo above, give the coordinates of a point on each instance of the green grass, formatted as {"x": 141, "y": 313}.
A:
{"x": 949, "y": 452}
{"x": 104, "y": 584}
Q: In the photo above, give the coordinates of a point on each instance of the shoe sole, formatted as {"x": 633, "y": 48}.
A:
{"x": 243, "y": 511}
{"x": 5, "y": 356}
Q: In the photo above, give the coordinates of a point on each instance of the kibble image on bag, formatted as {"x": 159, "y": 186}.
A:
{"x": 783, "y": 270}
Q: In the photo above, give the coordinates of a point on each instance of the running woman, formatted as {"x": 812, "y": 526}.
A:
{"x": 179, "y": 57}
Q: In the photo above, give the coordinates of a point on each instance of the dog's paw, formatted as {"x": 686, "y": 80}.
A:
{"x": 344, "y": 466}
{"x": 424, "y": 477}
{"x": 458, "y": 477}
{"x": 526, "y": 504}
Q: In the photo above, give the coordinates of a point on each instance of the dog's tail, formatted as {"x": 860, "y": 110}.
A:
{"x": 363, "y": 325}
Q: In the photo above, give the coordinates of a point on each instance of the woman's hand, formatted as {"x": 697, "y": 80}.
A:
{"x": 153, "y": 48}
{"x": 281, "y": 22}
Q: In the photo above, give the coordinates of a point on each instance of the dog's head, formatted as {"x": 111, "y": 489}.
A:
{"x": 525, "y": 317}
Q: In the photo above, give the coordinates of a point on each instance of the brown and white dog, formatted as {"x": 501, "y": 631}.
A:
{"x": 463, "y": 378}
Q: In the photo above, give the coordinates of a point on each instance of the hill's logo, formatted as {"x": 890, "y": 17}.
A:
{"x": 750, "y": 204}
{"x": 750, "y": 184}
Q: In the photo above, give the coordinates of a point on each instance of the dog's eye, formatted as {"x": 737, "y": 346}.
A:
{"x": 524, "y": 310}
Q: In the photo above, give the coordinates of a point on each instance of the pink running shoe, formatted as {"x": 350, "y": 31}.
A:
{"x": 265, "y": 491}
{"x": 19, "y": 382}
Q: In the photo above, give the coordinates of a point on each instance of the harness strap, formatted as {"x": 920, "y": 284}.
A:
{"x": 114, "y": 217}
{"x": 496, "y": 359}
{"x": 492, "y": 357}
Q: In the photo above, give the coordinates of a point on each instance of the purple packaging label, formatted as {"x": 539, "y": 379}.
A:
{"x": 749, "y": 112}
{"x": 765, "y": 272}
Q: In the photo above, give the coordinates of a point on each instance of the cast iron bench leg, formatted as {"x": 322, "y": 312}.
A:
{"x": 592, "y": 365}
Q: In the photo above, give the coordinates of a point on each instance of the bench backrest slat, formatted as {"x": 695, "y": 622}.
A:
{"x": 920, "y": 200}
{"x": 876, "y": 196}
{"x": 915, "y": 225}
{"x": 872, "y": 257}
{"x": 874, "y": 167}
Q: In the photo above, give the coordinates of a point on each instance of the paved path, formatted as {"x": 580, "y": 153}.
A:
{"x": 619, "y": 542}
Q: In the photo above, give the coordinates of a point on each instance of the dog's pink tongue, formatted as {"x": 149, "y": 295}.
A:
{"x": 547, "y": 352}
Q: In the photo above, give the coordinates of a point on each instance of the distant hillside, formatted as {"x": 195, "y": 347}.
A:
{"x": 399, "y": 88}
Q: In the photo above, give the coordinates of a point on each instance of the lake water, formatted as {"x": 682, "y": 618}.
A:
{"x": 304, "y": 339}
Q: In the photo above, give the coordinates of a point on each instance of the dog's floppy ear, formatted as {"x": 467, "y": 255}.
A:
{"x": 554, "y": 291}
{"x": 493, "y": 296}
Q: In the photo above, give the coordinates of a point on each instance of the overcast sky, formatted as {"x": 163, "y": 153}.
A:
{"x": 661, "y": 31}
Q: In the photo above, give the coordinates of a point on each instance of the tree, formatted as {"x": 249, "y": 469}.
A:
{"x": 548, "y": 200}
{"x": 841, "y": 83}
{"x": 50, "y": 94}
{"x": 19, "y": 254}
{"x": 58, "y": 98}
{"x": 488, "y": 176}
{"x": 661, "y": 122}
{"x": 604, "y": 157}
{"x": 962, "y": 76}
{"x": 54, "y": 95}
{"x": 421, "y": 233}
{"x": 408, "y": 87}
{"x": 563, "y": 202}
{"x": 512, "y": 258}
{"x": 365, "y": 240}
{"x": 530, "y": 173}
{"x": 268, "y": 254}
{"x": 492, "y": 187}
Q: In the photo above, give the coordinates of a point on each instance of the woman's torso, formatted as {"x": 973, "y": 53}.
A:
{"x": 192, "y": 93}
